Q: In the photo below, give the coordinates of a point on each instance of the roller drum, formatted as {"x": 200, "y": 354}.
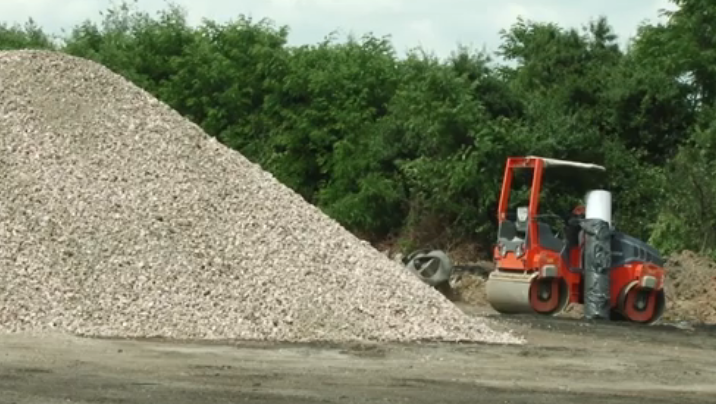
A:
{"x": 641, "y": 305}
{"x": 509, "y": 293}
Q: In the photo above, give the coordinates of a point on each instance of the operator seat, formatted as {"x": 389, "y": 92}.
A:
{"x": 511, "y": 233}
{"x": 548, "y": 240}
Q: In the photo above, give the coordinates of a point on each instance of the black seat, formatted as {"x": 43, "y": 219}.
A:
{"x": 547, "y": 239}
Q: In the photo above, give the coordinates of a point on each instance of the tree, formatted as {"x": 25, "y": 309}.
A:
{"x": 415, "y": 146}
{"x": 27, "y": 36}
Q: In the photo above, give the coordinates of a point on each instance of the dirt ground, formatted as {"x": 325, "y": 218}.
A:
{"x": 565, "y": 361}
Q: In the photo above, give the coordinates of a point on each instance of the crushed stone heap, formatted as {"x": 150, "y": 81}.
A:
{"x": 120, "y": 218}
{"x": 690, "y": 288}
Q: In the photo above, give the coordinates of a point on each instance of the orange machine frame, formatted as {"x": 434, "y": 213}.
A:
{"x": 535, "y": 257}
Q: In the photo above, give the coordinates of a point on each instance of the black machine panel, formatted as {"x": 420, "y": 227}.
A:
{"x": 627, "y": 249}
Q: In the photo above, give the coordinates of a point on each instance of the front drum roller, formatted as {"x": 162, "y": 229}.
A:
{"x": 526, "y": 293}
{"x": 641, "y": 305}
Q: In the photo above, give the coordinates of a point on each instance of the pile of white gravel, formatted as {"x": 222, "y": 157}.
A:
{"x": 120, "y": 218}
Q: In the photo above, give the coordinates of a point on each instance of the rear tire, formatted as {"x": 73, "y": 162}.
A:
{"x": 549, "y": 296}
{"x": 644, "y": 306}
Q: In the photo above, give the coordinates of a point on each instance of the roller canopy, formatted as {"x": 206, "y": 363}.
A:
{"x": 549, "y": 162}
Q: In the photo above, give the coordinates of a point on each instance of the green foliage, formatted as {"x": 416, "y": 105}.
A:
{"x": 415, "y": 146}
{"x": 27, "y": 36}
{"x": 688, "y": 218}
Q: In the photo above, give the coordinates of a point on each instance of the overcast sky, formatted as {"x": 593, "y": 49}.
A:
{"x": 437, "y": 25}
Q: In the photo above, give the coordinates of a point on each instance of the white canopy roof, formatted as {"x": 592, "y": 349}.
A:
{"x": 565, "y": 163}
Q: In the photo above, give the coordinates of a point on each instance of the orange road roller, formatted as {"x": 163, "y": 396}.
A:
{"x": 539, "y": 270}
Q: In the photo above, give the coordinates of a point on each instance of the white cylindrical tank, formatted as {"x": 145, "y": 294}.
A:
{"x": 598, "y": 205}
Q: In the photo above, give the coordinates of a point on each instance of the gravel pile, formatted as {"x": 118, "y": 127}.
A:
{"x": 690, "y": 288}
{"x": 121, "y": 218}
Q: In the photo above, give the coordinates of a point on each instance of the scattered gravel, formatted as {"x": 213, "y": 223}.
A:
{"x": 120, "y": 218}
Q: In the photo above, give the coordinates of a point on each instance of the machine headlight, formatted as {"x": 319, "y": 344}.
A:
{"x": 520, "y": 250}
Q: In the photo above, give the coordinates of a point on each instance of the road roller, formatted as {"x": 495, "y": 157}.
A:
{"x": 541, "y": 270}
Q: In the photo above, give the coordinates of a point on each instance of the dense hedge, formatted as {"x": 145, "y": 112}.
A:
{"x": 414, "y": 146}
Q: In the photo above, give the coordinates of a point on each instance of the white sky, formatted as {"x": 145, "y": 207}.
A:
{"x": 437, "y": 25}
